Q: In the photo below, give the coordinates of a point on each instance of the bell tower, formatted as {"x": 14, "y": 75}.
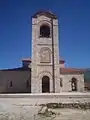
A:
{"x": 45, "y": 70}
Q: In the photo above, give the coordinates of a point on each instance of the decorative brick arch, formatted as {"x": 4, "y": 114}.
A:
{"x": 40, "y": 77}
{"x": 45, "y": 73}
{"x": 72, "y": 78}
{"x": 44, "y": 22}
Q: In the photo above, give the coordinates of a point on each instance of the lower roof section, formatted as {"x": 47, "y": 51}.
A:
{"x": 71, "y": 71}
{"x": 62, "y": 70}
{"x": 17, "y": 69}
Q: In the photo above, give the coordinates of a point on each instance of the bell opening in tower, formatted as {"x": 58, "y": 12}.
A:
{"x": 45, "y": 31}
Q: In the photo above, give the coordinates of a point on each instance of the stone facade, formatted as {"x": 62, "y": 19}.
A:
{"x": 42, "y": 63}
{"x": 42, "y": 66}
{"x": 67, "y": 82}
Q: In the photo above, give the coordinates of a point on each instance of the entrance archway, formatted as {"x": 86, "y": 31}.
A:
{"x": 45, "y": 84}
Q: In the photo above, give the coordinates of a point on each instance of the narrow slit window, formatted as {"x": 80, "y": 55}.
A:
{"x": 27, "y": 84}
{"x": 61, "y": 82}
{"x": 10, "y": 83}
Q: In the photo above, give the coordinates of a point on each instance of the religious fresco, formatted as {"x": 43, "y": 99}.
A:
{"x": 45, "y": 55}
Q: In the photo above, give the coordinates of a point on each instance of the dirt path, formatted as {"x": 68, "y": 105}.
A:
{"x": 30, "y": 113}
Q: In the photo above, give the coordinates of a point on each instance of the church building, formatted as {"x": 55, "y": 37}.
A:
{"x": 44, "y": 72}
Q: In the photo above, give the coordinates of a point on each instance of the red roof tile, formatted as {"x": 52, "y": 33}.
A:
{"x": 29, "y": 59}
{"x": 26, "y": 59}
{"x": 71, "y": 70}
{"x": 61, "y": 61}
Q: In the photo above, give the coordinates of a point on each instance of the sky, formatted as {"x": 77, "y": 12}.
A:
{"x": 74, "y": 30}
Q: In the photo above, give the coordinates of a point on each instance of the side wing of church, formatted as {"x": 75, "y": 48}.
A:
{"x": 45, "y": 71}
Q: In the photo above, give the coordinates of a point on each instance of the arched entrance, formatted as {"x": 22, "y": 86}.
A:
{"x": 74, "y": 84}
{"x": 45, "y": 84}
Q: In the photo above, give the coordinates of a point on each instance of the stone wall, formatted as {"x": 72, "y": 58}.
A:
{"x": 19, "y": 80}
{"x": 36, "y": 99}
{"x": 39, "y": 43}
{"x": 67, "y": 82}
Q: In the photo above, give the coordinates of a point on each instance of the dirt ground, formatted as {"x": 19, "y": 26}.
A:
{"x": 68, "y": 114}
{"x": 31, "y": 113}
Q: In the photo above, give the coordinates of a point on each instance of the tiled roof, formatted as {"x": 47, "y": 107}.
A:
{"x": 63, "y": 70}
{"x": 17, "y": 69}
{"x": 26, "y": 59}
{"x": 71, "y": 71}
{"x": 61, "y": 61}
{"x": 29, "y": 60}
{"x": 46, "y": 13}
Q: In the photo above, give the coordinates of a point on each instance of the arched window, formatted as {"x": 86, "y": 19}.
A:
{"x": 74, "y": 84}
{"x": 45, "y": 31}
{"x": 61, "y": 82}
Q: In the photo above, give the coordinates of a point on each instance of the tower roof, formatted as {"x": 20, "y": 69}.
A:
{"x": 46, "y": 13}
